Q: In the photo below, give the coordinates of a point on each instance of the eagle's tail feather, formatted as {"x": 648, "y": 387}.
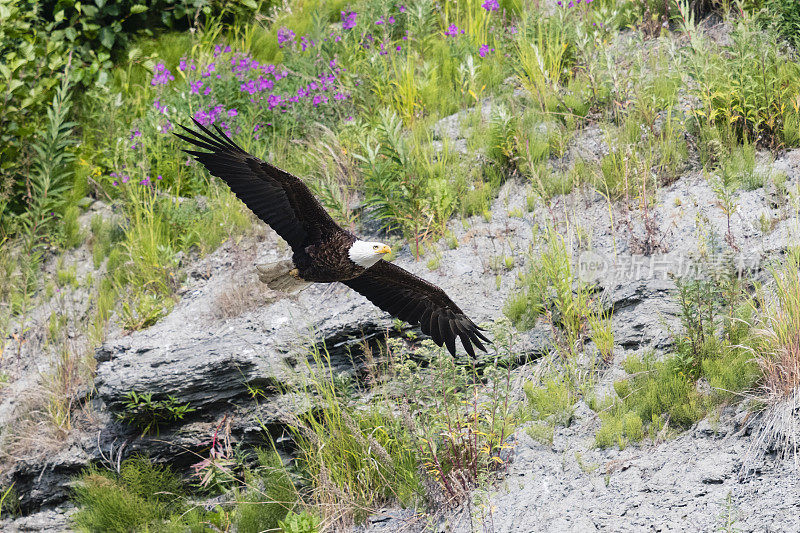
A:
{"x": 280, "y": 277}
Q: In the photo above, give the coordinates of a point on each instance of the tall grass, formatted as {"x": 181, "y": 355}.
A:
{"x": 780, "y": 329}
{"x": 546, "y": 56}
{"x": 356, "y": 461}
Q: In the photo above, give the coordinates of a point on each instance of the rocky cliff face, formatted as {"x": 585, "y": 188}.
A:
{"x": 229, "y": 336}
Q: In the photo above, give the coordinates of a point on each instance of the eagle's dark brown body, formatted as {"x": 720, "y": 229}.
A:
{"x": 321, "y": 247}
{"x": 328, "y": 261}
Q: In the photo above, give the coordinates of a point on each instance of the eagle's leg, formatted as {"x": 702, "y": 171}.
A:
{"x": 281, "y": 276}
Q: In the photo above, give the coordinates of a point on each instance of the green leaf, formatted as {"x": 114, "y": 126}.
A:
{"x": 71, "y": 34}
{"x": 107, "y": 37}
{"x": 138, "y": 8}
{"x": 250, "y": 3}
{"x": 100, "y": 3}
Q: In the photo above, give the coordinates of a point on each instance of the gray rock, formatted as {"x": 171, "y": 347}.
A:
{"x": 51, "y": 520}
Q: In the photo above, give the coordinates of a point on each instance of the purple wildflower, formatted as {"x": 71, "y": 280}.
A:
{"x": 212, "y": 67}
{"x": 195, "y": 86}
{"x": 202, "y": 117}
{"x": 190, "y": 65}
{"x": 232, "y": 112}
{"x": 484, "y": 50}
{"x": 348, "y": 20}
{"x": 273, "y": 101}
{"x": 452, "y": 31}
{"x": 401, "y": 8}
{"x": 284, "y": 35}
{"x": 220, "y": 50}
{"x": 162, "y": 76}
{"x": 491, "y": 5}
{"x": 160, "y": 108}
{"x": 379, "y": 21}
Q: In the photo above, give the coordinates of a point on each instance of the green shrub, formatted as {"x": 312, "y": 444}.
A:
{"x": 555, "y": 399}
{"x": 657, "y": 390}
{"x": 611, "y": 432}
{"x": 748, "y": 89}
{"x": 28, "y": 78}
{"x": 786, "y": 17}
{"x": 541, "y": 432}
{"x": 141, "y": 496}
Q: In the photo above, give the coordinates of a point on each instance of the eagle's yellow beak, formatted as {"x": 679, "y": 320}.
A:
{"x": 384, "y": 250}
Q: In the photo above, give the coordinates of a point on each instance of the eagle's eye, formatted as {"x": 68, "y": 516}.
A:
{"x": 375, "y": 247}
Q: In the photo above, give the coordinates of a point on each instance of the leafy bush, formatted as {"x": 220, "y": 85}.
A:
{"x": 715, "y": 344}
{"x": 748, "y": 89}
{"x": 407, "y": 184}
{"x": 786, "y": 17}
{"x": 51, "y": 170}
{"x": 147, "y": 414}
{"x": 28, "y": 77}
{"x": 39, "y": 39}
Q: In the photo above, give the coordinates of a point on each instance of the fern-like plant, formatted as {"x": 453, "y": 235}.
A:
{"x": 52, "y": 170}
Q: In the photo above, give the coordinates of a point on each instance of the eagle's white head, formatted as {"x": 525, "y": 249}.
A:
{"x": 366, "y": 253}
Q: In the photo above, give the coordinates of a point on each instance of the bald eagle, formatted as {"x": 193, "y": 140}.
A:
{"x": 325, "y": 252}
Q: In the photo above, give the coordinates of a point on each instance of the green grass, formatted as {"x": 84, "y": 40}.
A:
{"x": 269, "y": 497}
{"x": 141, "y": 496}
{"x": 554, "y": 400}
{"x": 144, "y": 496}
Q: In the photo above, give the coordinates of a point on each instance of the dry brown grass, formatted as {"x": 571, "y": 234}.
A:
{"x": 238, "y": 299}
{"x": 778, "y": 357}
{"x": 780, "y": 331}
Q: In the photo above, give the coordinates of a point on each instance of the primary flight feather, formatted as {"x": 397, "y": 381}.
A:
{"x": 325, "y": 252}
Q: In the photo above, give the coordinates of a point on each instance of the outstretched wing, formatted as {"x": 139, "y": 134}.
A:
{"x": 281, "y": 200}
{"x": 412, "y": 299}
